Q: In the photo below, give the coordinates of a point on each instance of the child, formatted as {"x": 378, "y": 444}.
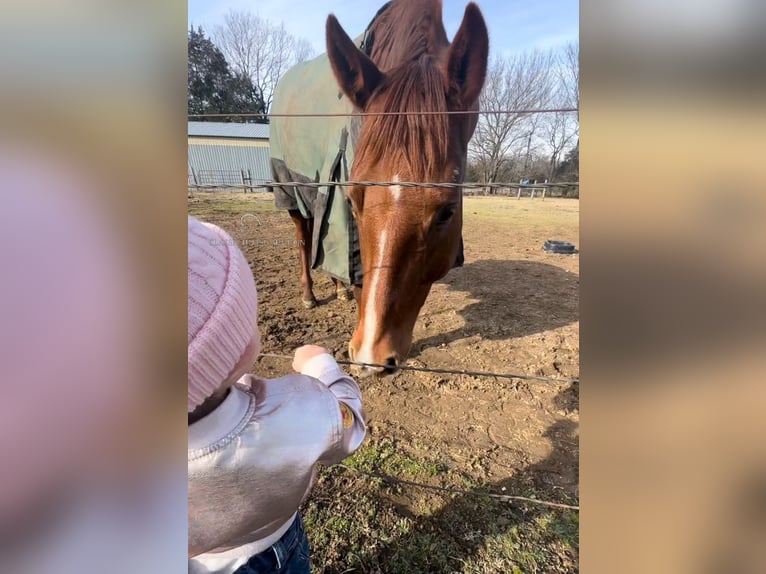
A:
{"x": 253, "y": 443}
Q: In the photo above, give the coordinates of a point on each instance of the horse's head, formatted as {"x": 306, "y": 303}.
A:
{"x": 409, "y": 236}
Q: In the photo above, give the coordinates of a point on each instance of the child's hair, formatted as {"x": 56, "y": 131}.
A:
{"x": 223, "y": 308}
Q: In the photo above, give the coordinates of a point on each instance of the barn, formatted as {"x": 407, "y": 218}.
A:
{"x": 228, "y": 154}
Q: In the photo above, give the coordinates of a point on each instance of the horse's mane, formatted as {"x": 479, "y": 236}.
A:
{"x": 406, "y": 30}
{"x": 408, "y": 40}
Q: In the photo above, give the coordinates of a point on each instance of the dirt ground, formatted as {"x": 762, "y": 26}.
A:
{"x": 513, "y": 308}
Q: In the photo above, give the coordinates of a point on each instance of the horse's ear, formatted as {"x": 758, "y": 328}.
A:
{"x": 356, "y": 74}
{"x": 467, "y": 59}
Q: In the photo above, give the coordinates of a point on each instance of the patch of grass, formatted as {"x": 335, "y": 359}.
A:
{"x": 545, "y": 544}
{"x": 524, "y": 211}
{"x": 204, "y": 204}
{"x": 387, "y": 457}
{"x": 357, "y": 524}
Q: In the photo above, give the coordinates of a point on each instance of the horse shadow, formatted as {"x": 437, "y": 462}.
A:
{"x": 470, "y": 527}
{"x": 512, "y": 299}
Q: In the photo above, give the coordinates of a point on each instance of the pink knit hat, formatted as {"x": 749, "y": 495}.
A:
{"x": 223, "y": 307}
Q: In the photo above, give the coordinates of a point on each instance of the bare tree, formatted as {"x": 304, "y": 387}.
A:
{"x": 515, "y": 84}
{"x": 569, "y": 75}
{"x": 259, "y": 49}
{"x": 561, "y": 128}
{"x": 559, "y": 131}
{"x": 302, "y": 50}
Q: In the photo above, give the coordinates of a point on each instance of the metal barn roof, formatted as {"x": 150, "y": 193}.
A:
{"x": 228, "y": 130}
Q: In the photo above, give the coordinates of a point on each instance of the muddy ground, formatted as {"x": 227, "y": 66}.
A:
{"x": 513, "y": 308}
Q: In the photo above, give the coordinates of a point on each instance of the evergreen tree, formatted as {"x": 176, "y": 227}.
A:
{"x": 213, "y": 88}
{"x": 569, "y": 169}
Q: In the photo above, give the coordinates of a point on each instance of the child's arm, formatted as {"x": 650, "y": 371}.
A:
{"x": 316, "y": 362}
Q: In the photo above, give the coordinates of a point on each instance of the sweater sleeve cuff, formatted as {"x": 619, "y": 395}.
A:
{"x": 324, "y": 368}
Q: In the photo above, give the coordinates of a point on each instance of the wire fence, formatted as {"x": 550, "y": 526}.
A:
{"x": 542, "y": 189}
{"x": 423, "y": 113}
{"x": 237, "y": 181}
{"x": 445, "y": 489}
{"x": 520, "y": 376}
{"x": 446, "y": 184}
{"x": 451, "y": 490}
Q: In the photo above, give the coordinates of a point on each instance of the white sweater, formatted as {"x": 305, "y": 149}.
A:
{"x": 252, "y": 461}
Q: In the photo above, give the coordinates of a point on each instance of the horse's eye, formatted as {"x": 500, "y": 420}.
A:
{"x": 444, "y": 214}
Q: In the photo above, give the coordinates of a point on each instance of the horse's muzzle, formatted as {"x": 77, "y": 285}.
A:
{"x": 362, "y": 370}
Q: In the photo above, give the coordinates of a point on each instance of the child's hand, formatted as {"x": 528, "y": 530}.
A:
{"x": 303, "y": 354}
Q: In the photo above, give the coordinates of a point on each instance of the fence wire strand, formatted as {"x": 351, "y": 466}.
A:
{"x": 562, "y": 380}
{"x": 424, "y": 113}
{"x": 448, "y": 185}
{"x": 506, "y": 497}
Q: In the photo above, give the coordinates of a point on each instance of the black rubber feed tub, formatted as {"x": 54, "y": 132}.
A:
{"x": 562, "y": 247}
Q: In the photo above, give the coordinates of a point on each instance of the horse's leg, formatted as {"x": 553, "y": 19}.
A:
{"x": 303, "y": 238}
{"x": 341, "y": 291}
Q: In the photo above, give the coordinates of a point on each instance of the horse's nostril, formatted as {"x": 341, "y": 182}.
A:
{"x": 391, "y": 365}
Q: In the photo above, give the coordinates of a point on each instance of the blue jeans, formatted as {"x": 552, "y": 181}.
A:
{"x": 289, "y": 555}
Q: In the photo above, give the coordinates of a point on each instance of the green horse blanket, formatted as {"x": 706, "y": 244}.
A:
{"x": 314, "y": 149}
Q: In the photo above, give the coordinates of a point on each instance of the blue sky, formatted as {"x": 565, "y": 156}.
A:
{"x": 514, "y": 26}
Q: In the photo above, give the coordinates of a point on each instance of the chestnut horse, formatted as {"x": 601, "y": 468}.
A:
{"x": 409, "y": 237}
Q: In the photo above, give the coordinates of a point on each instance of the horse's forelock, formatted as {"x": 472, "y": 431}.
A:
{"x": 415, "y": 142}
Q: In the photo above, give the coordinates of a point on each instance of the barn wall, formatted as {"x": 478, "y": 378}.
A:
{"x": 218, "y": 161}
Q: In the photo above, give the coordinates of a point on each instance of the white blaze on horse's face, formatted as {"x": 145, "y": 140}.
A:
{"x": 396, "y": 190}
{"x": 370, "y": 324}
